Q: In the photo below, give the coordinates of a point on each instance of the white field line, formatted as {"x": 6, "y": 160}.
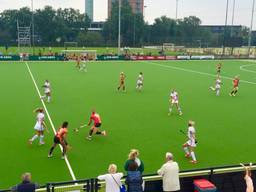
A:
{"x": 198, "y": 72}
{"x": 242, "y": 68}
{"x": 50, "y": 120}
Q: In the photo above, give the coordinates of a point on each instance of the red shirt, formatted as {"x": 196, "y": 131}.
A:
{"x": 95, "y": 117}
{"x": 61, "y": 132}
{"x": 235, "y": 82}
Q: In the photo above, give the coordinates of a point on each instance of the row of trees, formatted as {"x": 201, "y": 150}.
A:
{"x": 53, "y": 27}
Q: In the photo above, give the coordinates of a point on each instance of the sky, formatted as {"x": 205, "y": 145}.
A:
{"x": 211, "y": 12}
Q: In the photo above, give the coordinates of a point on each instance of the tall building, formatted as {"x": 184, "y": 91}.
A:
{"x": 89, "y": 8}
{"x": 136, "y": 5}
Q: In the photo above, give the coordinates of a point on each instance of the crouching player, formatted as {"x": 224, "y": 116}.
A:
{"x": 190, "y": 145}
{"x": 140, "y": 82}
{"x": 174, "y": 100}
{"x": 235, "y": 86}
{"x": 95, "y": 117}
{"x": 217, "y": 86}
{"x": 60, "y": 138}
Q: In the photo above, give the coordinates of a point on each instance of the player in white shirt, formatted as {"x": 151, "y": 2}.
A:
{"x": 247, "y": 178}
{"x": 39, "y": 126}
{"x": 83, "y": 66}
{"x": 47, "y": 91}
{"x": 140, "y": 82}
{"x": 190, "y": 145}
{"x": 174, "y": 100}
{"x": 217, "y": 85}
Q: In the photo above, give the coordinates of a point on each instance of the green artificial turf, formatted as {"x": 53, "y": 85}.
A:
{"x": 224, "y": 124}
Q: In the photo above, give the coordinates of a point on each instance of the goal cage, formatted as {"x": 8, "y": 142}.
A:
{"x": 83, "y": 54}
{"x": 70, "y": 44}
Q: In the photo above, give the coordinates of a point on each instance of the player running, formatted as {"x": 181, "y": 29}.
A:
{"x": 174, "y": 100}
{"x": 122, "y": 81}
{"x": 218, "y": 68}
{"x": 78, "y": 61}
{"x": 47, "y": 91}
{"x": 140, "y": 82}
{"x": 60, "y": 138}
{"x": 39, "y": 127}
{"x": 235, "y": 86}
{"x": 95, "y": 117}
{"x": 190, "y": 145}
{"x": 83, "y": 66}
{"x": 217, "y": 86}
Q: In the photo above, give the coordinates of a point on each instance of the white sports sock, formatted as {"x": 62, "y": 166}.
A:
{"x": 193, "y": 155}
{"x": 170, "y": 109}
{"x": 186, "y": 150}
{"x": 41, "y": 138}
{"x": 218, "y": 92}
{"x": 34, "y": 137}
{"x": 48, "y": 99}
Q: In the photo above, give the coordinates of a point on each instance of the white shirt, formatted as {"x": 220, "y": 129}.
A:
{"x": 111, "y": 185}
{"x": 191, "y": 132}
{"x": 140, "y": 78}
{"x": 170, "y": 173}
{"x": 40, "y": 118}
{"x": 174, "y": 96}
{"x": 47, "y": 87}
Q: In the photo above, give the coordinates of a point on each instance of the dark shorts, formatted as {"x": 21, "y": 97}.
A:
{"x": 56, "y": 140}
{"x": 97, "y": 125}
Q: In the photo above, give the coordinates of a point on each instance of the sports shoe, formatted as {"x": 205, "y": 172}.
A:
{"x": 63, "y": 157}
{"x": 89, "y": 138}
{"x": 187, "y": 155}
{"x": 49, "y": 155}
{"x": 41, "y": 143}
{"x": 181, "y": 113}
{"x": 30, "y": 141}
{"x": 193, "y": 162}
{"x": 104, "y": 133}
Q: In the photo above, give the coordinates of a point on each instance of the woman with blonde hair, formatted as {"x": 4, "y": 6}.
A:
{"x": 133, "y": 157}
{"x": 112, "y": 179}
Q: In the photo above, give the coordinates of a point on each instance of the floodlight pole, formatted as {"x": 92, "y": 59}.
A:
{"x": 33, "y": 27}
{"x": 233, "y": 16}
{"x": 250, "y": 32}
{"x": 225, "y": 29}
{"x": 177, "y": 2}
{"x": 119, "y": 28}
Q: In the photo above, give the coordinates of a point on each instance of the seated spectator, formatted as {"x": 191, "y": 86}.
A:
{"x": 26, "y": 185}
{"x": 170, "y": 173}
{"x": 134, "y": 179}
{"x": 133, "y": 157}
{"x": 112, "y": 179}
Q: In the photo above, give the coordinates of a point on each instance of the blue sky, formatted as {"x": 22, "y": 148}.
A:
{"x": 210, "y": 11}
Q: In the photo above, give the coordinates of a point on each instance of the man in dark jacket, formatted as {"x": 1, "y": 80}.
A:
{"x": 134, "y": 179}
{"x": 26, "y": 185}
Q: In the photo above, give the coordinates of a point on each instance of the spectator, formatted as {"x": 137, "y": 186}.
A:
{"x": 248, "y": 179}
{"x": 26, "y": 185}
{"x": 134, "y": 179}
{"x": 170, "y": 173}
{"x": 133, "y": 157}
{"x": 112, "y": 179}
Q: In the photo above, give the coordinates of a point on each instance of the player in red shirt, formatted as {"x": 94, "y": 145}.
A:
{"x": 235, "y": 86}
{"x": 218, "y": 68}
{"x": 122, "y": 81}
{"x": 60, "y": 138}
{"x": 95, "y": 118}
